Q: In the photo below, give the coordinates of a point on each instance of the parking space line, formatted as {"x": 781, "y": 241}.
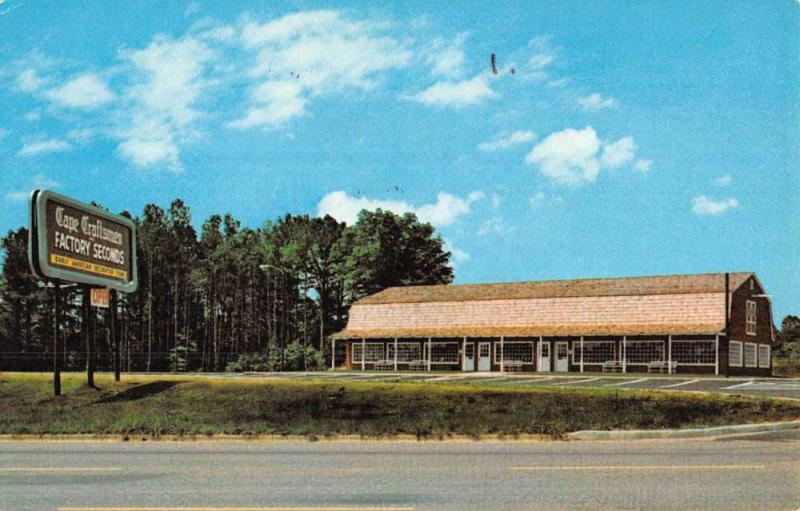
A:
{"x": 626, "y": 382}
{"x": 679, "y": 384}
{"x": 572, "y": 382}
{"x": 745, "y": 384}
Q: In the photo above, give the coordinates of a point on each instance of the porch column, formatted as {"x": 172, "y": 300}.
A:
{"x": 464, "y": 353}
{"x": 333, "y": 353}
{"x": 669, "y": 354}
{"x": 395, "y": 353}
{"x": 624, "y": 354}
{"x": 502, "y": 355}
{"x": 538, "y": 351}
{"x": 716, "y": 353}
{"x": 363, "y": 353}
{"x": 581, "y": 353}
{"x": 429, "y": 353}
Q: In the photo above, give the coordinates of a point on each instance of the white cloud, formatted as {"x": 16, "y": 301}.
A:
{"x": 559, "y": 83}
{"x": 45, "y": 146}
{"x": 18, "y": 196}
{"x": 192, "y": 8}
{"x": 447, "y": 208}
{"x": 319, "y": 52}
{"x": 505, "y": 141}
{"x": 596, "y": 102}
{"x": 571, "y": 157}
{"x": 619, "y": 153}
{"x": 496, "y": 200}
{"x": 539, "y": 199}
{"x": 169, "y": 80}
{"x": 702, "y": 205}
{"x": 445, "y": 211}
{"x": 39, "y": 181}
{"x": 494, "y": 225}
{"x": 32, "y": 116}
{"x": 42, "y": 181}
{"x": 456, "y": 94}
{"x": 543, "y": 55}
{"x": 87, "y": 91}
{"x": 459, "y": 256}
{"x": 3, "y": 133}
{"x": 447, "y": 59}
{"x": 723, "y": 181}
{"x": 541, "y": 60}
{"x": 29, "y": 80}
{"x": 643, "y": 166}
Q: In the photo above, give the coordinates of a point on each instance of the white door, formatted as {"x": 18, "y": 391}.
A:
{"x": 484, "y": 356}
{"x": 562, "y": 356}
{"x": 469, "y": 357}
{"x": 544, "y": 357}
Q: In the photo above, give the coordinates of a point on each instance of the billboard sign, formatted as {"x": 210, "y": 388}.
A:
{"x": 76, "y": 242}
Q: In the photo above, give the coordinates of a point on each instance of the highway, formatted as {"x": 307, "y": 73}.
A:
{"x": 748, "y": 473}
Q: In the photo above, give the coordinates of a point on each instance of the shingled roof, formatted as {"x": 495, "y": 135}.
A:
{"x": 675, "y": 304}
{"x": 625, "y": 286}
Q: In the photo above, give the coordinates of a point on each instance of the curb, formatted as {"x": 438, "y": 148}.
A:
{"x": 640, "y": 434}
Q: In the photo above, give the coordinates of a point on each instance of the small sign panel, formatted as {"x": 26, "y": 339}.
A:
{"x": 76, "y": 242}
{"x": 100, "y": 297}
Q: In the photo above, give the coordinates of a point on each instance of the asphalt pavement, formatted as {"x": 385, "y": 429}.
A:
{"x": 768, "y": 387}
{"x": 759, "y": 472}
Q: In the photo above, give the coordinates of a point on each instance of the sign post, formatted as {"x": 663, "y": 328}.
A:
{"x": 71, "y": 241}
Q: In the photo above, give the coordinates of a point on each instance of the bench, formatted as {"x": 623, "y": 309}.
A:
{"x": 612, "y": 366}
{"x": 418, "y": 365}
{"x": 512, "y": 366}
{"x": 384, "y": 365}
{"x": 662, "y": 366}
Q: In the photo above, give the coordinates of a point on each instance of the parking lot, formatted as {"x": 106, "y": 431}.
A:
{"x": 772, "y": 387}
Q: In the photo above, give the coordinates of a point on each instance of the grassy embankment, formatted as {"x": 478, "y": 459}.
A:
{"x": 156, "y": 405}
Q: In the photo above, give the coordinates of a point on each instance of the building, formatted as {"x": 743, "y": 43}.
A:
{"x": 718, "y": 323}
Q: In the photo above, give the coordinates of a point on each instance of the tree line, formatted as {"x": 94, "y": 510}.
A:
{"x": 226, "y": 298}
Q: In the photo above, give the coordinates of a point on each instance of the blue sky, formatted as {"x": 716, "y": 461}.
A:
{"x": 615, "y": 139}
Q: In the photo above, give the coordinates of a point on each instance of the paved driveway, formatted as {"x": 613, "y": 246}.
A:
{"x": 771, "y": 387}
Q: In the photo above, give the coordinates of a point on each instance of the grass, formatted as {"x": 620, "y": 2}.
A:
{"x": 157, "y": 405}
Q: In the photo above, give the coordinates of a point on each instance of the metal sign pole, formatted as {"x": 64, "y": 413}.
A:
{"x": 56, "y": 338}
{"x": 88, "y": 331}
{"x": 115, "y": 333}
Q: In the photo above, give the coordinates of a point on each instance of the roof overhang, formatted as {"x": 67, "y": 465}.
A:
{"x": 534, "y": 331}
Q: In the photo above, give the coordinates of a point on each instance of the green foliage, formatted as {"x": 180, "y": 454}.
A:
{"x": 204, "y": 301}
{"x": 787, "y": 341}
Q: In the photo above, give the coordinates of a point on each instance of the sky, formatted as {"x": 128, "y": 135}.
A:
{"x": 610, "y": 139}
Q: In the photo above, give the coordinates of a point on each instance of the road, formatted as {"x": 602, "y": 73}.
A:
{"x": 756, "y": 472}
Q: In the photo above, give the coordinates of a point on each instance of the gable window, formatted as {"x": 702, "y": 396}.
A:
{"x": 751, "y": 317}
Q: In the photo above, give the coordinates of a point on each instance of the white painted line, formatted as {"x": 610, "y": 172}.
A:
{"x": 745, "y": 384}
{"x": 576, "y": 381}
{"x": 57, "y": 469}
{"x": 627, "y": 382}
{"x": 679, "y": 384}
{"x": 644, "y": 467}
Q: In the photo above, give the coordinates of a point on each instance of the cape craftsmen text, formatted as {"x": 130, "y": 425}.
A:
{"x": 95, "y": 230}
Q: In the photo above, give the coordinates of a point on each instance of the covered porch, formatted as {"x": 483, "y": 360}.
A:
{"x": 608, "y": 353}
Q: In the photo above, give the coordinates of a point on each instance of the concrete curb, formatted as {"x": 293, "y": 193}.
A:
{"x": 641, "y": 434}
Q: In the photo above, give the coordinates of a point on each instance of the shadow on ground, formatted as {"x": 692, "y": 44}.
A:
{"x": 141, "y": 391}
